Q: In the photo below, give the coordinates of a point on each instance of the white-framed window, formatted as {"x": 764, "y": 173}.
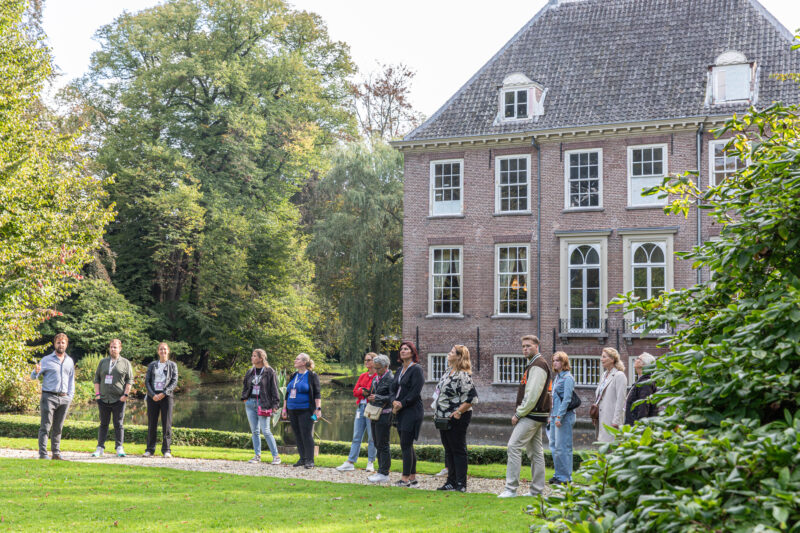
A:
{"x": 515, "y": 103}
{"x": 721, "y": 164}
{"x": 583, "y": 178}
{"x": 647, "y": 166}
{"x": 586, "y": 369}
{"x": 647, "y": 260}
{"x": 446, "y": 294}
{"x": 512, "y": 183}
{"x": 732, "y": 79}
{"x": 519, "y": 98}
{"x": 447, "y": 187}
{"x": 437, "y": 366}
{"x": 511, "y": 279}
{"x": 584, "y": 281}
{"x": 508, "y": 368}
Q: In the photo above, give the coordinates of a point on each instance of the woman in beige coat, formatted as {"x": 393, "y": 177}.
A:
{"x": 610, "y": 394}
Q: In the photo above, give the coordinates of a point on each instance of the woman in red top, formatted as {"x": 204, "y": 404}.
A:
{"x": 361, "y": 424}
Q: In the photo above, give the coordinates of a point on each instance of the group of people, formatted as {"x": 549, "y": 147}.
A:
{"x": 546, "y": 400}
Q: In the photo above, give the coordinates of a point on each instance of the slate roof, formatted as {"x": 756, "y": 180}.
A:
{"x": 617, "y": 61}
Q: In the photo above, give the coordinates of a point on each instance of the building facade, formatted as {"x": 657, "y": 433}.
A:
{"x": 524, "y": 211}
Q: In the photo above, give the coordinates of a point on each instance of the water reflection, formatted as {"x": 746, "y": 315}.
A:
{"x": 218, "y": 407}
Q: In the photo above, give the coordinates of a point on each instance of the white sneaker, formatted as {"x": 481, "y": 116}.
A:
{"x": 98, "y": 452}
{"x": 442, "y": 473}
{"x": 507, "y": 494}
{"x": 148, "y": 454}
{"x": 378, "y": 478}
{"x": 254, "y": 460}
{"x": 167, "y": 455}
{"x": 120, "y": 452}
{"x": 276, "y": 461}
{"x": 531, "y": 494}
{"x": 370, "y": 466}
{"x": 346, "y": 466}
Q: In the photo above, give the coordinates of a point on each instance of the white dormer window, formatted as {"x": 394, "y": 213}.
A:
{"x": 520, "y": 99}
{"x": 731, "y": 79}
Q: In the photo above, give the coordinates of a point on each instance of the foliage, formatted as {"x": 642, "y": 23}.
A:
{"x": 87, "y": 366}
{"x": 21, "y": 394}
{"x": 52, "y": 213}
{"x": 381, "y": 105}
{"x": 357, "y": 245}
{"x": 211, "y": 115}
{"x": 724, "y": 457}
{"x": 187, "y": 378}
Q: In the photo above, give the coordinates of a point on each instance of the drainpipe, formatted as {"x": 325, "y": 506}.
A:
{"x": 699, "y": 187}
{"x": 538, "y": 237}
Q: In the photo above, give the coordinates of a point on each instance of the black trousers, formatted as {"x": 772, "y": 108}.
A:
{"x": 454, "y": 441}
{"x": 117, "y": 409}
{"x": 303, "y": 429}
{"x": 409, "y": 455}
{"x": 154, "y": 409}
{"x": 381, "y": 430}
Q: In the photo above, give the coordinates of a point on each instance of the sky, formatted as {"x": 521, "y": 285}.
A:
{"x": 444, "y": 41}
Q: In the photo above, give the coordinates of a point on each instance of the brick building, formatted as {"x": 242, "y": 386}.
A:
{"x": 523, "y": 205}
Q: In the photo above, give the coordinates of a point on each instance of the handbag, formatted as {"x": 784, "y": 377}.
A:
{"x": 574, "y": 402}
{"x": 594, "y": 413}
{"x": 442, "y": 424}
{"x": 264, "y": 412}
{"x": 372, "y": 412}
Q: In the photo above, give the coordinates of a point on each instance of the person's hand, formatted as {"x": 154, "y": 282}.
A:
{"x": 371, "y": 397}
{"x": 284, "y": 414}
{"x": 558, "y": 422}
{"x": 123, "y": 398}
{"x": 38, "y": 368}
{"x": 160, "y": 396}
{"x": 514, "y": 420}
{"x": 615, "y": 426}
{"x": 396, "y": 406}
{"x": 456, "y": 414}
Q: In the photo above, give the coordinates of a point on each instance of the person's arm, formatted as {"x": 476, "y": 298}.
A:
{"x": 315, "y": 390}
{"x": 357, "y": 392}
{"x": 383, "y": 399}
{"x": 126, "y": 390}
{"x": 97, "y": 380}
{"x": 71, "y": 386}
{"x": 533, "y": 389}
{"x": 37, "y": 370}
{"x": 245, "y": 388}
{"x": 652, "y": 407}
{"x": 273, "y": 391}
{"x": 169, "y": 390}
{"x": 569, "y": 387}
{"x": 148, "y": 381}
{"x": 620, "y": 388}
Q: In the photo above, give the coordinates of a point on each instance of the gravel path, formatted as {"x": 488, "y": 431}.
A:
{"x": 358, "y": 476}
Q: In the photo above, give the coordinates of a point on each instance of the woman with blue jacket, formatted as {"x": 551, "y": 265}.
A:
{"x": 562, "y": 419}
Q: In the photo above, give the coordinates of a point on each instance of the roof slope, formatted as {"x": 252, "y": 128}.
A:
{"x": 612, "y": 61}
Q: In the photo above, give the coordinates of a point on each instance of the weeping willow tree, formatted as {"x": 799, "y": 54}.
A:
{"x": 357, "y": 245}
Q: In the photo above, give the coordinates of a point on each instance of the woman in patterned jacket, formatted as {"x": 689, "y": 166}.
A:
{"x": 452, "y": 406}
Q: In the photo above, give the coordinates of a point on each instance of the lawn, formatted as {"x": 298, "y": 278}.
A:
{"x": 235, "y": 454}
{"x": 68, "y": 496}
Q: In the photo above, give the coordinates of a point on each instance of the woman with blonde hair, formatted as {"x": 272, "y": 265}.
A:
{"x": 562, "y": 418}
{"x": 260, "y": 396}
{"x": 610, "y": 394}
{"x": 453, "y": 399}
{"x": 303, "y": 407}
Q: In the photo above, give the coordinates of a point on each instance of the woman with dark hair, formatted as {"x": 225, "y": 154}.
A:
{"x": 407, "y": 407}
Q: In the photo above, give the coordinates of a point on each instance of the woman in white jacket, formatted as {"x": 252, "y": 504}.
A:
{"x": 610, "y": 394}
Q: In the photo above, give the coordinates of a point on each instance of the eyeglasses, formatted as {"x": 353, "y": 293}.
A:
{"x": 367, "y": 360}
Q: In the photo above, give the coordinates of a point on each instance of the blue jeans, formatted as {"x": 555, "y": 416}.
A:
{"x": 258, "y": 425}
{"x": 360, "y": 425}
{"x": 562, "y": 446}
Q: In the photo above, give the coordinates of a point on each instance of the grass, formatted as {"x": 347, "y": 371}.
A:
{"x": 67, "y": 496}
{"x": 232, "y": 454}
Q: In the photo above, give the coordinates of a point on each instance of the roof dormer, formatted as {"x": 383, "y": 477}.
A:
{"x": 520, "y": 99}
{"x": 732, "y": 80}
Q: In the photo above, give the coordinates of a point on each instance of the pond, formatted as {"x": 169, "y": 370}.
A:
{"x": 217, "y": 406}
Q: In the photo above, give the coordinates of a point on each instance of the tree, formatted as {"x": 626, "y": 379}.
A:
{"x": 52, "y": 213}
{"x": 211, "y": 115}
{"x": 357, "y": 245}
{"x": 724, "y": 455}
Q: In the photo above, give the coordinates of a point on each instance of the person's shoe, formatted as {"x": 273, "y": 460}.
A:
{"x": 413, "y": 484}
{"x": 442, "y": 473}
{"x": 378, "y": 478}
{"x": 401, "y": 483}
{"x": 461, "y": 488}
{"x": 57, "y": 457}
{"x": 371, "y": 466}
{"x": 254, "y": 460}
{"x": 346, "y": 466}
{"x": 531, "y": 494}
{"x": 276, "y": 461}
{"x": 299, "y": 463}
{"x": 447, "y": 487}
{"x": 98, "y": 452}
{"x": 309, "y": 465}
{"x": 44, "y": 457}
{"x": 148, "y": 454}
{"x": 120, "y": 452}
{"x": 167, "y": 455}
{"x": 507, "y": 494}
{"x": 552, "y": 480}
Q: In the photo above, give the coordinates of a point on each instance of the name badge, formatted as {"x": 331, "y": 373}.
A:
{"x": 358, "y": 414}
{"x": 293, "y": 394}
{"x": 109, "y": 379}
{"x": 256, "y": 389}
{"x": 160, "y": 385}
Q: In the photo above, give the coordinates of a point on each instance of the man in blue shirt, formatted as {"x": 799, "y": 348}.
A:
{"x": 58, "y": 387}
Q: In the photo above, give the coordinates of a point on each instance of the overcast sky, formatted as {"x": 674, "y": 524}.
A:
{"x": 444, "y": 41}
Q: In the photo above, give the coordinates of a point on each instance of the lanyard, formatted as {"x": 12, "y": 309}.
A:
{"x": 111, "y": 364}
{"x": 294, "y": 383}
{"x": 257, "y": 375}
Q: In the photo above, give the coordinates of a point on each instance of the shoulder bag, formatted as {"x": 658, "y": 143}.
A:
{"x": 372, "y": 412}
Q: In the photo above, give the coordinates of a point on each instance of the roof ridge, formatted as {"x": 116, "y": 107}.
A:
{"x": 550, "y": 4}
{"x": 783, "y": 30}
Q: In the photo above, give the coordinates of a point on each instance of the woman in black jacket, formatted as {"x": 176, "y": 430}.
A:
{"x": 160, "y": 382}
{"x": 260, "y": 396}
{"x": 381, "y": 396}
{"x": 407, "y": 406}
{"x": 640, "y": 390}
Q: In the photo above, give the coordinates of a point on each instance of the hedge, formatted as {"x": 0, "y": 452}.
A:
{"x": 28, "y": 427}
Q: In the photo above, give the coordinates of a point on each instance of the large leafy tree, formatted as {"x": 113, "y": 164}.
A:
{"x": 357, "y": 245}
{"x": 52, "y": 212}
{"x": 211, "y": 115}
{"x": 724, "y": 456}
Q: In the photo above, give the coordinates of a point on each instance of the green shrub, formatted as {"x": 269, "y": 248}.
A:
{"x": 21, "y": 394}
{"x": 22, "y": 426}
{"x": 84, "y": 392}
{"x": 86, "y": 367}
{"x": 138, "y": 389}
{"x": 187, "y": 378}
